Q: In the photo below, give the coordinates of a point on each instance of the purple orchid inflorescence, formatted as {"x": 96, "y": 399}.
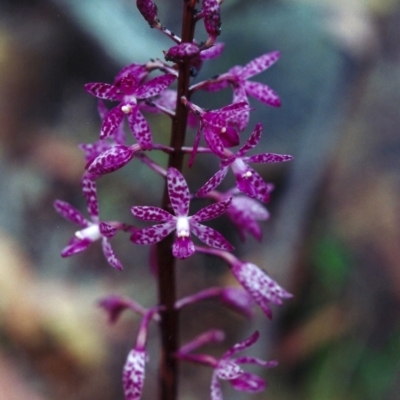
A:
{"x": 242, "y": 207}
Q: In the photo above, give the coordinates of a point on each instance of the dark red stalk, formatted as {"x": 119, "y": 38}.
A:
{"x": 166, "y": 262}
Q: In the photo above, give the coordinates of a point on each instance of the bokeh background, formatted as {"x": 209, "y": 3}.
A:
{"x": 333, "y": 238}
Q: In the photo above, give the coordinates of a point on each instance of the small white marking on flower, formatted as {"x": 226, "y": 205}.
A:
{"x": 92, "y": 233}
{"x": 182, "y": 227}
{"x": 247, "y": 174}
{"x": 126, "y": 108}
{"x": 223, "y": 130}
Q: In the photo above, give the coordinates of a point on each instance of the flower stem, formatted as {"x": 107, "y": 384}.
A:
{"x": 168, "y": 380}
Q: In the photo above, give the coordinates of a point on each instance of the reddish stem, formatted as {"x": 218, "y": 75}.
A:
{"x": 166, "y": 262}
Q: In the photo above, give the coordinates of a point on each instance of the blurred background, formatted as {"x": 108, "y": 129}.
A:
{"x": 333, "y": 239}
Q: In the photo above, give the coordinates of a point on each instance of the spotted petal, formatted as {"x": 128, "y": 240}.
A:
{"x": 75, "y": 246}
{"x": 107, "y": 230}
{"x": 183, "y": 247}
{"x": 90, "y": 193}
{"x": 248, "y": 382}
{"x": 260, "y": 286}
{"x": 253, "y": 185}
{"x": 244, "y": 344}
{"x": 178, "y": 192}
{"x": 140, "y": 129}
{"x": 154, "y": 86}
{"x": 259, "y": 64}
{"x": 111, "y": 122}
{"x": 150, "y": 213}
{"x": 251, "y": 142}
{"x": 212, "y": 211}
{"x": 262, "y": 93}
{"x": 111, "y": 160}
{"x": 153, "y": 234}
{"x": 210, "y": 236}
{"x": 215, "y": 389}
{"x": 213, "y": 182}
{"x": 212, "y": 52}
{"x": 70, "y": 213}
{"x": 133, "y": 374}
{"x": 110, "y": 255}
{"x": 104, "y": 91}
{"x": 268, "y": 158}
{"x": 139, "y": 71}
{"x": 211, "y": 135}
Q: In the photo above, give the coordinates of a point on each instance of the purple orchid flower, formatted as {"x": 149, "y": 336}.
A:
{"x": 128, "y": 89}
{"x": 181, "y": 222}
{"x": 91, "y": 230}
{"x": 243, "y": 212}
{"x": 134, "y": 369}
{"x": 217, "y": 126}
{"x": 237, "y": 77}
{"x": 229, "y": 368}
{"x": 248, "y": 181}
{"x": 259, "y": 285}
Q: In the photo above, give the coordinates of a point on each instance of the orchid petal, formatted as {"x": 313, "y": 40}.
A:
{"x": 104, "y": 91}
{"x": 111, "y": 122}
{"x": 210, "y": 236}
{"x": 268, "y": 158}
{"x": 228, "y": 369}
{"x": 251, "y": 142}
{"x": 111, "y": 160}
{"x": 248, "y": 382}
{"x": 256, "y": 361}
{"x": 137, "y": 70}
{"x": 140, "y": 129}
{"x": 134, "y": 374}
{"x": 70, "y": 213}
{"x": 90, "y": 193}
{"x": 154, "y": 86}
{"x": 259, "y": 64}
{"x": 260, "y": 286}
{"x": 183, "y": 247}
{"x": 178, "y": 192}
{"x": 262, "y": 93}
{"x": 150, "y": 213}
{"x": 107, "y": 230}
{"x": 212, "y": 52}
{"x": 213, "y": 141}
{"x": 153, "y": 234}
{"x": 75, "y": 246}
{"x": 215, "y": 389}
{"x": 253, "y": 185}
{"x": 213, "y": 182}
{"x": 244, "y": 344}
{"x": 212, "y": 211}
{"x": 110, "y": 255}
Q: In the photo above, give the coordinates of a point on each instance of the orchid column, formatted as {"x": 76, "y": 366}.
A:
{"x": 221, "y": 129}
